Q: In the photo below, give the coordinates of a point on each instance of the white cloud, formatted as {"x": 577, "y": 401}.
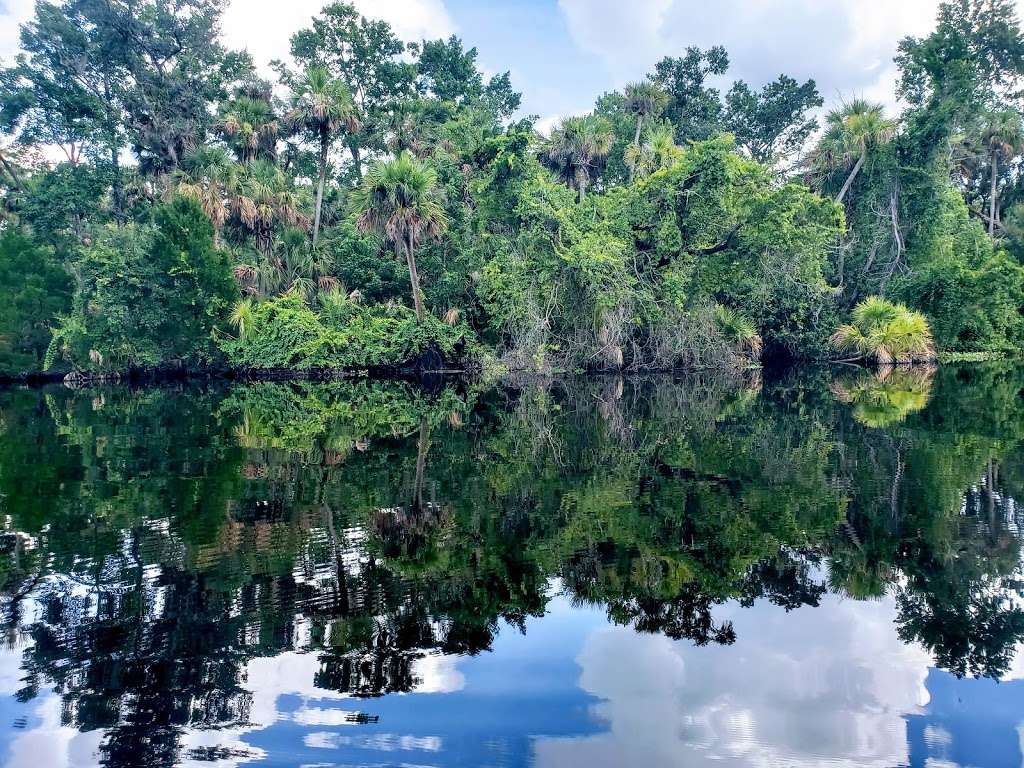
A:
{"x": 264, "y": 27}
{"x": 52, "y": 744}
{"x": 806, "y": 688}
{"x": 438, "y": 673}
{"x": 13, "y": 13}
{"x": 292, "y": 674}
{"x": 847, "y": 47}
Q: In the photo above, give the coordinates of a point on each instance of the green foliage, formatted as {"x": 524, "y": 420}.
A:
{"x": 400, "y": 201}
{"x": 680, "y": 202}
{"x": 576, "y": 148}
{"x": 693, "y": 107}
{"x": 774, "y": 123}
{"x": 288, "y": 333}
{"x": 631, "y": 279}
{"x": 34, "y": 290}
{"x": 971, "y": 309}
{"x": 885, "y": 333}
{"x": 450, "y": 73}
{"x": 147, "y": 295}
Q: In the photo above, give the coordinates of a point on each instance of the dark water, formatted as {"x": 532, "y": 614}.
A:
{"x": 816, "y": 568}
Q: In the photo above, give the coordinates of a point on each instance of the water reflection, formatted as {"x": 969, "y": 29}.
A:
{"x": 651, "y": 571}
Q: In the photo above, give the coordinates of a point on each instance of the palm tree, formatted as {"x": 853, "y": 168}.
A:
{"x": 658, "y": 150}
{"x": 321, "y": 105}
{"x": 851, "y": 133}
{"x": 250, "y": 127}
{"x": 577, "y": 147}
{"x": 400, "y": 200}
{"x": 207, "y": 174}
{"x": 739, "y": 330}
{"x": 645, "y": 99}
{"x": 263, "y": 199}
{"x": 1002, "y": 138}
{"x": 409, "y": 129}
{"x": 242, "y": 317}
{"x": 886, "y": 333}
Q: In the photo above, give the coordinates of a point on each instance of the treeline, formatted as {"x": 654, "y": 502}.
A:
{"x": 380, "y": 203}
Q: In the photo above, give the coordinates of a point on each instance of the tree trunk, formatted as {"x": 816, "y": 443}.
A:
{"x": 320, "y": 189}
{"x": 422, "y": 446}
{"x": 636, "y": 143}
{"x": 992, "y": 200}
{"x": 583, "y": 188}
{"x": 10, "y": 172}
{"x": 414, "y": 279}
{"x": 116, "y": 193}
{"x": 853, "y": 175}
{"x": 356, "y": 160}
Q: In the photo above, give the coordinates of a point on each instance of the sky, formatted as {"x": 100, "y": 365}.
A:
{"x": 564, "y": 53}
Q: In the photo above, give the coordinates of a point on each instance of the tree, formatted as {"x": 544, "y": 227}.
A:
{"x": 67, "y": 87}
{"x": 367, "y": 57}
{"x": 208, "y": 175}
{"x": 321, "y": 105}
{"x": 1003, "y": 138}
{"x": 148, "y": 295}
{"x": 34, "y": 289}
{"x": 249, "y": 125}
{"x": 643, "y": 100}
{"x": 60, "y": 205}
{"x": 449, "y": 73}
{"x": 264, "y": 199}
{"x": 851, "y": 133}
{"x": 657, "y": 151}
{"x": 975, "y": 54}
{"x": 773, "y": 123}
{"x": 410, "y": 129}
{"x": 175, "y": 69}
{"x": 399, "y": 199}
{"x": 694, "y": 109}
{"x": 576, "y": 148}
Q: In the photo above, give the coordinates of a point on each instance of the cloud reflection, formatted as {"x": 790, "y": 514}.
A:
{"x": 808, "y": 688}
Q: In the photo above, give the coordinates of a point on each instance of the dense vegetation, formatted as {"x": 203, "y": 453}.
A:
{"x": 383, "y": 202}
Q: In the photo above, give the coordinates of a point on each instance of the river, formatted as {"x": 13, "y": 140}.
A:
{"x": 818, "y": 567}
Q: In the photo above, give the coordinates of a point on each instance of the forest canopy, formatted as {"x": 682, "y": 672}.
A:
{"x": 381, "y": 202}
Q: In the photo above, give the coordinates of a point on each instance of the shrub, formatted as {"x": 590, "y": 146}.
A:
{"x": 287, "y": 332}
{"x": 34, "y": 289}
{"x": 148, "y": 295}
{"x": 971, "y": 309}
{"x": 885, "y": 333}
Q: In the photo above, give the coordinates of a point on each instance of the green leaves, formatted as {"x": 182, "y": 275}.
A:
{"x": 286, "y": 332}
{"x": 885, "y": 333}
{"x": 34, "y": 290}
{"x": 148, "y": 295}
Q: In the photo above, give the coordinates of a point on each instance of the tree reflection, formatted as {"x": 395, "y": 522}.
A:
{"x": 157, "y": 541}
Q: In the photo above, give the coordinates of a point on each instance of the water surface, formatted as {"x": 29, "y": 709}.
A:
{"x": 816, "y": 568}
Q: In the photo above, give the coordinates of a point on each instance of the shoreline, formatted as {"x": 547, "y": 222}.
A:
{"x": 147, "y": 376}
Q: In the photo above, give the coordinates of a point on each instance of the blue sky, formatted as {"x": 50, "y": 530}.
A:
{"x": 564, "y": 53}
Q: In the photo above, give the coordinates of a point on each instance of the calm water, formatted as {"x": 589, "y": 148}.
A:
{"x": 818, "y": 568}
